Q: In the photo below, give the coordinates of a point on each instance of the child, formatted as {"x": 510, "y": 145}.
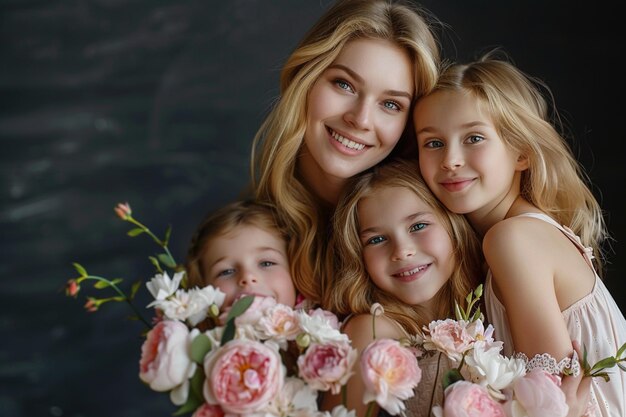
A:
{"x": 397, "y": 245}
{"x": 487, "y": 150}
{"x": 241, "y": 249}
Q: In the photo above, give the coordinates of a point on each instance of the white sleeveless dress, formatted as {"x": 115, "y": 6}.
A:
{"x": 595, "y": 321}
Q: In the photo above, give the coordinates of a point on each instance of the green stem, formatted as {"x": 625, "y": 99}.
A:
{"x": 370, "y": 409}
{"x": 153, "y": 236}
{"x": 121, "y": 293}
{"x": 344, "y": 395}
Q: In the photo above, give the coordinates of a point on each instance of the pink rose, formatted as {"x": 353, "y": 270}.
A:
{"x": 328, "y": 366}
{"x": 165, "y": 361}
{"x": 465, "y": 399}
{"x": 328, "y": 316}
{"x": 243, "y": 376}
{"x": 390, "y": 373}
{"x": 538, "y": 394}
{"x": 450, "y": 337}
{"x": 279, "y": 324}
{"x": 208, "y": 410}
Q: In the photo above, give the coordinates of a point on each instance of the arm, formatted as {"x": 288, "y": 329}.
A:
{"x": 359, "y": 330}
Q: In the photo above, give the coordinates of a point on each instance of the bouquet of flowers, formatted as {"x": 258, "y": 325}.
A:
{"x": 485, "y": 382}
{"x": 254, "y": 358}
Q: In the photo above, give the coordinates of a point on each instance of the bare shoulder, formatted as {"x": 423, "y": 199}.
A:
{"x": 360, "y": 329}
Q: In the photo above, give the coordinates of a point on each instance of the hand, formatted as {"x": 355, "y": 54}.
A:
{"x": 577, "y": 389}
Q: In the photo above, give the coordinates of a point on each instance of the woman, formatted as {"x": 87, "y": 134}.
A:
{"x": 346, "y": 94}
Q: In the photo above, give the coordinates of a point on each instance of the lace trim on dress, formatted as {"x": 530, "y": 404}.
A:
{"x": 545, "y": 361}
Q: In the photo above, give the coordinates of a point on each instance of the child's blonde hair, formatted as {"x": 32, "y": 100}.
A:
{"x": 278, "y": 141}
{"x": 354, "y": 291}
{"x": 554, "y": 181}
{"x": 223, "y": 221}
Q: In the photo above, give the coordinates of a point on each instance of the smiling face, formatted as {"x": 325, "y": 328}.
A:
{"x": 249, "y": 260}
{"x": 462, "y": 158}
{"x": 356, "y": 111}
{"x": 406, "y": 248}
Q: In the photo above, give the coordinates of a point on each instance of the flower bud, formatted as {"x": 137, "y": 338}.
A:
{"x": 92, "y": 305}
{"x": 72, "y": 288}
{"x": 123, "y": 211}
{"x": 303, "y": 340}
{"x": 214, "y": 311}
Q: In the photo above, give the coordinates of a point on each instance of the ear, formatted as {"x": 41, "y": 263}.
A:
{"x": 522, "y": 163}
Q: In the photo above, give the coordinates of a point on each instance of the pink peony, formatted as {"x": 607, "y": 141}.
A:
{"x": 327, "y": 366}
{"x": 165, "y": 361}
{"x": 243, "y": 376}
{"x": 465, "y": 399}
{"x": 538, "y": 394}
{"x": 450, "y": 337}
{"x": 208, "y": 410}
{"x": 390, "y": 373}
{"x": 280, "y": 324}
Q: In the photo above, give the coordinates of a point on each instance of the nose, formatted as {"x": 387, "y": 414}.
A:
{"x": 359, "y": 114}
{"x": 247, "y": 278}
{"x": 403, "y": 248}
{"x": 452, "y": 159}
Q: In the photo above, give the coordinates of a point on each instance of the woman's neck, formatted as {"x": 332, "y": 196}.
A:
{"x": 325, "y": 187}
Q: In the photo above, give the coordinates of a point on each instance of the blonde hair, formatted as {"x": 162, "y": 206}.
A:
{"x": 278, "y": 141}
{"x": 221, "y": 222}
{"x": 554, "y": 181}
{"x": 354, "y": 291}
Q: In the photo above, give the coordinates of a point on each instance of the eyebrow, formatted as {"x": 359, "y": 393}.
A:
{"x": 468, "y": 125}
{"x": 408, "y": 218}
{"x": 395, "y": 93}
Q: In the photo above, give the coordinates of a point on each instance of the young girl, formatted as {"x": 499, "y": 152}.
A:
{"x": 346, "y": 94}
{"x": 487, "y": 150}
{"x": 397, "y": 245}
{"x": 241, "y": 249}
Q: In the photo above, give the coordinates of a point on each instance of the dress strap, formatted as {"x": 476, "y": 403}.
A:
{"x": 586, "y": 251}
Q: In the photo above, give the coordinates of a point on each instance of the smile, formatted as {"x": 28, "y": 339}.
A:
{"x": 457, "y": 185}
{"x": 410, "y": 274}
{"x": 350, "y": 144}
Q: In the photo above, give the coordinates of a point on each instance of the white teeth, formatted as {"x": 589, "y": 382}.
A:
{"x": 412, "y": 271}
{"x": 346, "y": 142}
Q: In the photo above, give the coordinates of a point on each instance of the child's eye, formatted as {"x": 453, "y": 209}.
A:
{"x": 475, "y": 139}
{"x": 226, "y": 272}
{"x": 344, "y": 85}
{"x": 375, "y": 240}
{"x": 266, "y": 264}
{"x": 435, "y": 143}
{"x": 417, "y": 227}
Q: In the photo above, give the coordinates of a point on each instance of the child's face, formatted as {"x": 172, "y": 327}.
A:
{"x": 406, "y": 249}
{"x": 461, "y": 157}
{"x": 249, "y": 260}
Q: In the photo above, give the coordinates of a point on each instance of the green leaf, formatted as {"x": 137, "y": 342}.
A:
{"x": 102, "y": 284}
{"x": 196, "y": 383}
{"x": 134, "y": 289}
{"x": 193, "y": 402}
{"x": 168, "y": 233}
{"x": 116, "y": 281}
{"x": 240, "y": 306}
{"x": 604, "y": 363}
{"x": 166, "y": 260}
{"x": 200, "y": 346}
{"x": 79, "y": 268}
{"x": 622, "y": 367}
{"x": 229, "y": 332}
{"x": 450, "y": 377}
{"x": 136, "y": 231}
{"x": 621, "y": 350}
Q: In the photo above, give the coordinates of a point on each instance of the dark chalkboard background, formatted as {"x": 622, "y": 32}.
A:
{"x": 156, "y": 102}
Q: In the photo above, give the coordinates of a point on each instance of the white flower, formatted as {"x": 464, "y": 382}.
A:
{"x": 341, "y": 411}
{"x": 295, "y": 398}
{"x": 488, "y": 367}
{"x": 161, "y": 286}
{"x": 184, "y": 305}
{"x": 280, "y": 324}
{"x": 320, "y": 328}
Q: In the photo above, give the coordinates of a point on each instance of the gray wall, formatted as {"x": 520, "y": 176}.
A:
{"x": 156, "y": 102}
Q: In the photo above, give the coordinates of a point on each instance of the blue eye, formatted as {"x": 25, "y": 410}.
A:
{"x": 375, "y": 240}
{"x": 435, "y": 143}
{"x": 266, "y": 264}
{"x": 392, "y": 105}
{"x": 475, "y": 139}
{"x": 226, "y": 273}
{"x": 417, "y": 227}
{"x": 344, "y": 85}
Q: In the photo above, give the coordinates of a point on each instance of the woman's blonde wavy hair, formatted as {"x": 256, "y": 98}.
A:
{"x": 554, "y": 182}
{"x": 353, "y": 290}
{"x": 278, "y": 141}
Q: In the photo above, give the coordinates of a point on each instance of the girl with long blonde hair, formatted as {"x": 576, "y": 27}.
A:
{"x": 346, "y": 93}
